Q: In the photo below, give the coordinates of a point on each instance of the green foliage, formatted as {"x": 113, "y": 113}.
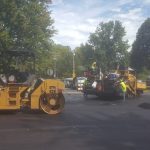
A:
{"x": 84, "y": 56}
{"x": 144, "y": 74}
{"x": 140, "y": 54}
{"x": 109, "y": 47}
{"x": 25, "y": 25}
{"x": 106, "y": 46}
{"x": 61, "y": 58}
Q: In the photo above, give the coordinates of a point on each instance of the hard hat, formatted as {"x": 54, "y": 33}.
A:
{"x": 93, "y": 65}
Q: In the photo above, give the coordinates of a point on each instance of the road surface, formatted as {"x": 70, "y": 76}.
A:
{"x": 85, "y": 124}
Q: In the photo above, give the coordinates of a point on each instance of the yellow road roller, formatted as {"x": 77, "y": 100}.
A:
{"x": 22, "y": 89}
{"x": 45, "y": 95}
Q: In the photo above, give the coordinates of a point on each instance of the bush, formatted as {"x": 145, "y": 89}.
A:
{"x": 144, "y": 74}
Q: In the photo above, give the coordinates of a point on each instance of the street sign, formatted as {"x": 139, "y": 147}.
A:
{"x": 50, "y": 72}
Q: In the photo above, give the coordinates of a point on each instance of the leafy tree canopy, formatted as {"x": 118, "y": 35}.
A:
{"x": 61, "y": 60}
{"x": 84, "y": 56}
{"x": 25, "y": 25}
{"x": 109, "y": 45}
{"x": 140, "y": 54}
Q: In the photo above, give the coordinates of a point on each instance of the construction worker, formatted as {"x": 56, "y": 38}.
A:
{"x": 93, "y": 65}
{"x": 94, "y": 69}
{"x": 84, "y": 88}
{"x": 123, "y": 88}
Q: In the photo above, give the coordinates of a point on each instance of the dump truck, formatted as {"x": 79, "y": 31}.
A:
{"x": 33, "y": 92}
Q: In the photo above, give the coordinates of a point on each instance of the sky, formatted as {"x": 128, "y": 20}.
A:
{"x": 76, "y": 19}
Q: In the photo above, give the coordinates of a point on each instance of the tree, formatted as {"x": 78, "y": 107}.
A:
{"x": 84, "y": 56}
{"x": 25, "y": 25}
{"x": 109, "y": 46}
{"x": 140, "y": 54}
{"x": 61, "y": 60}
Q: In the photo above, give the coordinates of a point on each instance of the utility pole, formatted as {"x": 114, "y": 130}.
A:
{"x": 73, "y": 65}
{"x": 55, "y": 67}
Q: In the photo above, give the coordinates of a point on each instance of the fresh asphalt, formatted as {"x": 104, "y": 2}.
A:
{"x": 85, "y": 124}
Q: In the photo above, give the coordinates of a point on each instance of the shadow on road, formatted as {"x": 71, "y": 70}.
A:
{"x": 104, "y": 98}
{"x": 8, "y": 112}
{"x": 145, "y": 105}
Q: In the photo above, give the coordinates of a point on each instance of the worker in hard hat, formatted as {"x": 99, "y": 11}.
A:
{"x": 94, "y": 69}
{"x": 123, "y": 88}
{"x": 93, "y": 65}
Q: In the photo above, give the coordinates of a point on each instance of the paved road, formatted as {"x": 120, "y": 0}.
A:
{"x": 90, "y": 124}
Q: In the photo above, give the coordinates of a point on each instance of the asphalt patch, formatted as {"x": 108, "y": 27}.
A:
{"x": 145, "y": 105}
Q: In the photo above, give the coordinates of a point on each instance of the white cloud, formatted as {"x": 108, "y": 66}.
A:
{"x": 123, "y": 2}
{"x": 146, "y": 1}
{"x": 116, "y": 10}
{"x": 74, "y": 23}
{"x": 131, "y": 20}
{"x": 57, "y": 2}
{"x": 73, "y": 26}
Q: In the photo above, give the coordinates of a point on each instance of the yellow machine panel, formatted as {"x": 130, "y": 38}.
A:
{"x": 10, "y": 96}
{"x": 141, "y": 85}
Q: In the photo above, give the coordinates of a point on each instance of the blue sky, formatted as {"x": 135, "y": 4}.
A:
{"x": 76, "y": 19}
